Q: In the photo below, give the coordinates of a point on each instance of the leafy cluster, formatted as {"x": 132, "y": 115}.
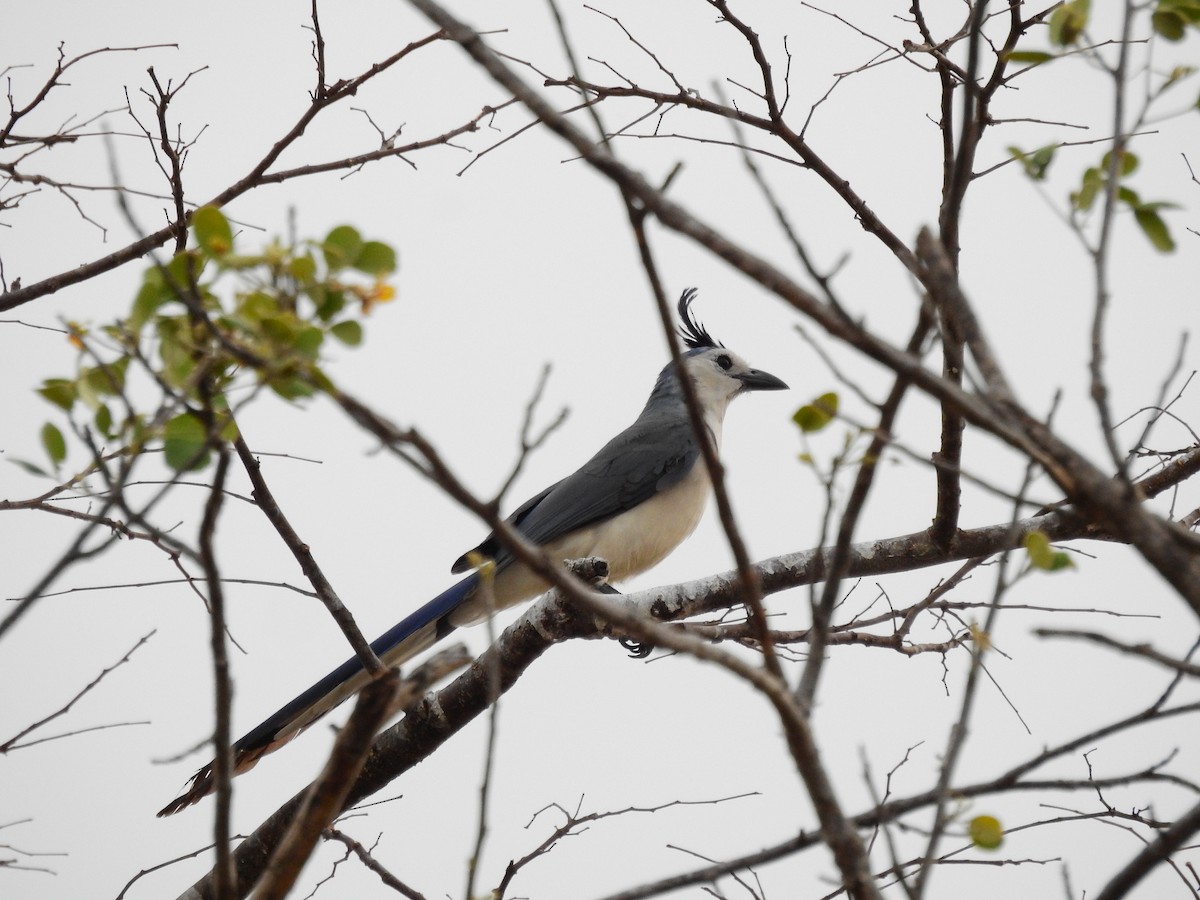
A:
{"x": 1094, "y": 183}
{"x": 1170, "y": 20}
{"x": 211, "y": 325}
{"x": 1067, "y": 30}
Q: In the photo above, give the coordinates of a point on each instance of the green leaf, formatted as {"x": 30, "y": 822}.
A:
{"x": 150, "y": 297}
{"x": 281, "y": 328}
{"x": 1168, "y": 24}
{"x": 175, "y": 350}
{"x": 986, "y": 833}
{"x": 816, "y": 415}
{"x": 212, "y": 231}
{"x": 329, "y": 302}
{"x": 1159, "y": 204}
{"x": 29, "y": 467}
{"x": 308, "y": 341}
{"x": 258, "y": 305}
{"x": 348, "y": 332}
{"x": 1068, "y": 21}
{"x": 1189, "y": 9}
{"x": 1154, "y": 228}
{"x": 106, "y": 380}
{"x": 182, "y": 272}
{"x": 1093, "y": 181}
{"x": 320, "y": 380}
{"x": 241, "y": 262}
{"x": 1036, "y": 163}
{"x": 1041, "y": 160}
{"x": 1129, "y": 162}
{"x": 303, "y": 268}
{"x": 59, "y": 391}
{"x": 1129, "y": 195}
{"x": 1043, "y": 556}
{"x": 104, "y": 420}
{"x": 1178, "y": 74}
{"x": 185, "y": 442}
{"x": 376, "y": 259}
{"x": 229, "y": 431}
{"x": 342, "y": 246}
{"x": 291, "y": 388}
{"x": 102, "y": 381}
{"x": 54, "y": 444}
{"x": 1034, "y": 57}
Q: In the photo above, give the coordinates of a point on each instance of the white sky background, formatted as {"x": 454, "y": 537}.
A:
{"x": 526, "y": 259}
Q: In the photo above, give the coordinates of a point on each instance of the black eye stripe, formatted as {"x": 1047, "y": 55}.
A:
{"x": 724, "y": 361}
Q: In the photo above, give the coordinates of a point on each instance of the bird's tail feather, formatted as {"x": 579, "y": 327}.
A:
{"x": 404, "y": 640}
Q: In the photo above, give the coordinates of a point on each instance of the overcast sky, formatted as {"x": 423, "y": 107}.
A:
{"x": 525, "y": 260}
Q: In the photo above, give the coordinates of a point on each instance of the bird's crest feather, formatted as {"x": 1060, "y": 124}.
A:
{"x": 694, "y": 334}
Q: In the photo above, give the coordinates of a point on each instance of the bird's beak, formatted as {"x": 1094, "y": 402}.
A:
{"x": 758, "y": 380}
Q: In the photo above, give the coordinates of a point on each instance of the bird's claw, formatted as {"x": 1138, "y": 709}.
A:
{"x": 637, "y": 649}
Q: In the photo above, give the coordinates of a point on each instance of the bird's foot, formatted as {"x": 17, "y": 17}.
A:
{"x": 637, "y": 649}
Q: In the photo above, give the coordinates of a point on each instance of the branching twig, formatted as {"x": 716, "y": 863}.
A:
{"x": 12, "y": 743}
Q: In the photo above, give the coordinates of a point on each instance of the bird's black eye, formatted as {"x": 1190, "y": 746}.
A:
{"x": 724, "y": 361}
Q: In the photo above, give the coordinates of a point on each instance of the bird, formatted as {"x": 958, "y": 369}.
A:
{"x": 631, "y": 504}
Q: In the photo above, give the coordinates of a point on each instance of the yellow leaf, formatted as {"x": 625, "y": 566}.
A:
{"x": 986, "y": 832}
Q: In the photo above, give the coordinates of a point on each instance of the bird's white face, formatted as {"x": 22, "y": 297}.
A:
{"x": 714, "y": 372}
{"x": 720, "y": 375}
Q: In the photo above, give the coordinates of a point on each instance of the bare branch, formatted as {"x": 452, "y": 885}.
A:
{"x": 1143, "y": 650}
{"x": 265, "y": 500}
{"x": 13, "y": 742}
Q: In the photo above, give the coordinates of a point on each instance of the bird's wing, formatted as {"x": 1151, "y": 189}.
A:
{"x": 649, "y": 456}
{"x": 490, "y": 548}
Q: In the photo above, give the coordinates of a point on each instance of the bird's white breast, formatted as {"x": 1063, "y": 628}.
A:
{"x": 631, "y": 542}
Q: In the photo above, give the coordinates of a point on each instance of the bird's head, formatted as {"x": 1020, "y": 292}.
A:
{"x": 718, "y": 373}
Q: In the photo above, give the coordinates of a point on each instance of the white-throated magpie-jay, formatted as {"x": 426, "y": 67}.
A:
{"x": 631, "y": 504}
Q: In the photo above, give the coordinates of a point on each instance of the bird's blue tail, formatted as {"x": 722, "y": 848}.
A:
{"x": 401, "y": 642}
